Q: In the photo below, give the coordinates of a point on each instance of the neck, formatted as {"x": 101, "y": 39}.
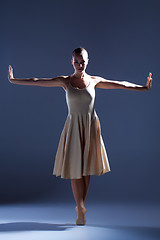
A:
{"x": 79, "y": 74}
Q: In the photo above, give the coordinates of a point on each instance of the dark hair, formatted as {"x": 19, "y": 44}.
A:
{"x": 79, "y": 50}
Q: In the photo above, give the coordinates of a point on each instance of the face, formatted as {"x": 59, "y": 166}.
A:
{"x": 79, "y": 62}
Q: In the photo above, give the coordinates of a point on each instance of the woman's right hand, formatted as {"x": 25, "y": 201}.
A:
{"x": 10, "y": 73}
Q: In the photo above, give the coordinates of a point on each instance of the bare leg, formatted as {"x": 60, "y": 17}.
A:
{"x": 78, "y": 188}
{"x": 86, "y": 187}
{"x": 87, "y": 182}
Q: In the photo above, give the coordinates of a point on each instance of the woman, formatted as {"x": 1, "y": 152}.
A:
{"x": 81, "y": 151}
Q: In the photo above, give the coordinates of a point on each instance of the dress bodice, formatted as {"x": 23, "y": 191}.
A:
{"x": 80, "y": 100}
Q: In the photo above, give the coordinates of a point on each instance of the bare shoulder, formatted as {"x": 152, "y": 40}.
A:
{"x": 63, "y": 81}
{"x": 62, "y": 78}
{"x": 96, "y": 80}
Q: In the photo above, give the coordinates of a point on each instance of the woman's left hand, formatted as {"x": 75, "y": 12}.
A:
{"x": 149, "y": 81}
{"x": 10, "y": 73}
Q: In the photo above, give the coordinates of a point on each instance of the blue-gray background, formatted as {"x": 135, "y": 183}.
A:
{"x": 37, "y": 39}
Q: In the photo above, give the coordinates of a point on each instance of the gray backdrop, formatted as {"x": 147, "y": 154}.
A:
{"x": 37, "y": 39}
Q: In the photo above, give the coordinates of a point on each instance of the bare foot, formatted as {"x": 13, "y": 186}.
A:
{"x": 81, "y": 220}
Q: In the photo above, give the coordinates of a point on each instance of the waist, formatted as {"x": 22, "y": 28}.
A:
{"x": 78, "y": 108}
{"x": 91, "y": 114}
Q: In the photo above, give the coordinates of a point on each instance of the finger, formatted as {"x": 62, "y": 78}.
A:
{"x": 150, "y": 74}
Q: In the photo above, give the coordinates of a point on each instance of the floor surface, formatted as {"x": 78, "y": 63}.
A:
{"x": 57, "y": 221}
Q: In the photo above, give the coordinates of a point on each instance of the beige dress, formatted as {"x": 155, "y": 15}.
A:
{"x": 81, "y": 149}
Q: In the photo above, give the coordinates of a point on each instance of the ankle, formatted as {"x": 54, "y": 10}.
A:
{"x": 80, "y": 208}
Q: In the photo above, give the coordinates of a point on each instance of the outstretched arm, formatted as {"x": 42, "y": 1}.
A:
{"x": 43, "y": 82}
{"x": 110, "y": 84}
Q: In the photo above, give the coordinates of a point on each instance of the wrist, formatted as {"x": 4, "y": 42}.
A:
{"x": 146, "y": 88}
{"x": 11, "y": 79}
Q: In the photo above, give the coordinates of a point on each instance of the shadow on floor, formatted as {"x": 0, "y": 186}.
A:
{"x": 34, "y": 226}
